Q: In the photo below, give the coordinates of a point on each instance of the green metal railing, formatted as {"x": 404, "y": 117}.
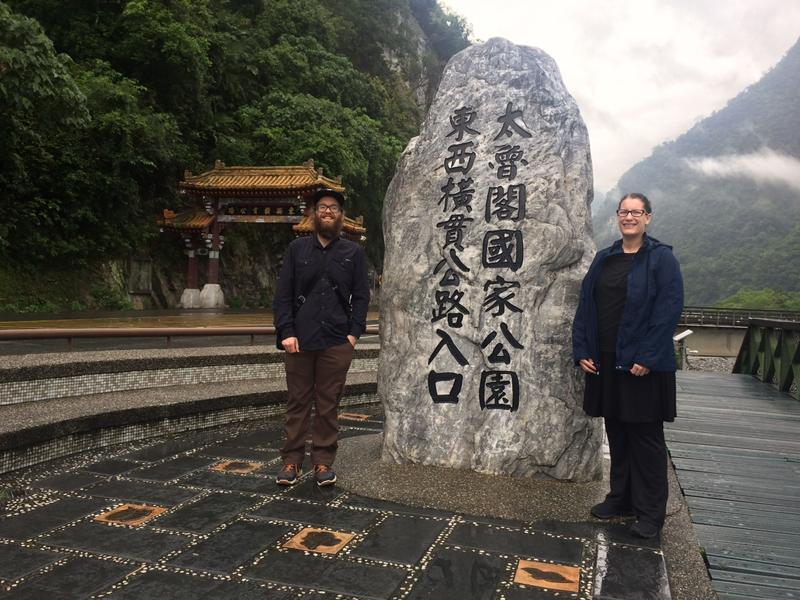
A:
{"x": 771, "y": 352}
{"x": 732, "y": 317}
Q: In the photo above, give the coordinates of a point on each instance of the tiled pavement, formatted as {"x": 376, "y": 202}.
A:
{"x": 199, "y": 516}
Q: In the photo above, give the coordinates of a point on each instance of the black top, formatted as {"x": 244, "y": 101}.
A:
{"x": 610, "y": 293}
{"x": 325, "y": 318}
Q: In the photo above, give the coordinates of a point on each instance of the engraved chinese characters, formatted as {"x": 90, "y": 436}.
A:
{"x": 487, "y": 239}
{"x": 501, "y": 249}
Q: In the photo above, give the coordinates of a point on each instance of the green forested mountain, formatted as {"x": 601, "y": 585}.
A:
{"x": 733, "y": 218}
{"x": 105, "y": 103}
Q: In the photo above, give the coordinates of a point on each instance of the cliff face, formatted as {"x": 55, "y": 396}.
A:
{"x": 414, "y": 65}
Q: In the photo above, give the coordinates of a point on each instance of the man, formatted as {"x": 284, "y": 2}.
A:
{"x": 320, "y": 312}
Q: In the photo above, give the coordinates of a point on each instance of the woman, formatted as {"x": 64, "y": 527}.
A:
{"x": 631, "y": 300}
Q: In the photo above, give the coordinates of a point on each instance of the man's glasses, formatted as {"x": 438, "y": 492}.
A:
{"x": 637, "y": 212}
{"x": 333, "y": 209}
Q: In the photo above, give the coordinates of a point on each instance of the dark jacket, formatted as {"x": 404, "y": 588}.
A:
{"x": 652, "y": 309}
{"x": 335, "y": 307}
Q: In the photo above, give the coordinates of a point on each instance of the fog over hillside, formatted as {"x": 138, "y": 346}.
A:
{"x": 726, "y": 194}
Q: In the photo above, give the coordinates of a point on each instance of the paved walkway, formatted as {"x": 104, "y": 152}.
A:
{"x": 736, "y": 451}
{"x": 198, "y": 516}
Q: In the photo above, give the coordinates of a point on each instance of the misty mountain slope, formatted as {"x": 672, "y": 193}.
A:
{"x": 726, "y": 194}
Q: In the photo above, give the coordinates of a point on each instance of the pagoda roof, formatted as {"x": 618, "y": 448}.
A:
{"x": 286, "y": 181}
{"x": 193, "y": 219}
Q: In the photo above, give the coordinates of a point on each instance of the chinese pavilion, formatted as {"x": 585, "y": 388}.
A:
{"x": 227, "y": 195}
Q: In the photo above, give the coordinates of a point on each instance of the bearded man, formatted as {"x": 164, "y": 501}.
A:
{"x": 320, "y": 312}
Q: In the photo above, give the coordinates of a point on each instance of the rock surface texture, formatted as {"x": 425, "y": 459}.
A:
{"x": 487, "y": 230}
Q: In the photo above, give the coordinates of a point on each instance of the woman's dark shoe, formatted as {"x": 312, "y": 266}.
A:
{"x": 609, "y": 510}
{"x": 644, "y": 529}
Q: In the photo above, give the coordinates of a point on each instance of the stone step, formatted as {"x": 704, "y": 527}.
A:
{"x": 34, "y": 378}
{"x": 53, "y": 405}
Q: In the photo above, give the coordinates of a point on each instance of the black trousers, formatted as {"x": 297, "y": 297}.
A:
{"x": 638, "y": 469}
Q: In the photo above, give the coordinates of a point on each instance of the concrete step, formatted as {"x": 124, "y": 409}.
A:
{"x": 53, "y": 406}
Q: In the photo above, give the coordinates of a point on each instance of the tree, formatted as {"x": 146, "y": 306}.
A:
{"x": 38, "y": 97}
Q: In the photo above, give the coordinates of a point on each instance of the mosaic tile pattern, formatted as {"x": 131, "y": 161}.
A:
{"x": 548, "y": 576}
{"x": 237, "y": 466}
{"x": 324, "y": 541}
{"x": 223, "y": 534}
{"x": 14, "y": 392}
{"x": 131, "y": 515}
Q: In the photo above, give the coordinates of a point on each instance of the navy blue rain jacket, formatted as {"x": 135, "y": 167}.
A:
{"x": 651, "y": 314}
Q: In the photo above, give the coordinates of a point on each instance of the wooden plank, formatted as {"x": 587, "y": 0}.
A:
{"x": 789, "y": 447}
{"x": 741, "y": 507}
{"x": 762, "y": 486}
{"x": 739, "y": 488}
{"x": 735, "y": 455}
{"x": 752, "y": 426}
{"x": 728, "y": 496}
{"x": 748, "y": 523}
{"x": 753, "y": 553}
{"x": 782, "y": 583}
{"x": 724, "y": 563}
{"x": 735, "y": 447}
{"x": 772, "y": 471}
{"x": 723, "y": 588}
{"x": 733, "y": 534}
{"x": 756, "y": 428}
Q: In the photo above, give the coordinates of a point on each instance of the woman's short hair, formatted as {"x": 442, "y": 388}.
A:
{"x": 637, "y": 196}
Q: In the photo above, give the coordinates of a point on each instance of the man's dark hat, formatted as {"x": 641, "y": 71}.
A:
{"x": 327, "y": 192}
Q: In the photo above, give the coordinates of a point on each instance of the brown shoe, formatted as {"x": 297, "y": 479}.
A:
{"x": 324, "y": 475}
{"x": 289, "y": 474}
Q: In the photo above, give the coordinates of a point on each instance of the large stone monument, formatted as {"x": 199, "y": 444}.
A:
{"x": 488, "y": 235}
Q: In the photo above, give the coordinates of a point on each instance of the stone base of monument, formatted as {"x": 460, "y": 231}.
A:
{"x": 211, "y": 296}
{"x": 190, "y": 298}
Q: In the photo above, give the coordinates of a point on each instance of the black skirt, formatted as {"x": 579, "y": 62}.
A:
{"x": 629, "y": 398}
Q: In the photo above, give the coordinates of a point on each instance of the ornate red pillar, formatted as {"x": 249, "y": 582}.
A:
{"x": 211, "y": 295}
{"x": 213, "y": 255}
{"x": 190, "y": 298}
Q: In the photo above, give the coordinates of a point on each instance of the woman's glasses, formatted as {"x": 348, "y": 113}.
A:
{"x": 636, "y": 212}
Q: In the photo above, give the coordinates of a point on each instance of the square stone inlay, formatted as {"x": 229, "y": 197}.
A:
{"x": 548, "y": 575}
{"x": 239, "y": 467}
{"x": 348, "y": 416}
{"x": 130, "y": 514}
{"x": 325, "y": 541}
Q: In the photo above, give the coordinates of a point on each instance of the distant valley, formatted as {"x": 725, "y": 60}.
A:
{"x": 726, "y": 194}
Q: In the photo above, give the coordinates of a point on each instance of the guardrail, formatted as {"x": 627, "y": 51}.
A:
{"x": 121, "y": 332}
{"x": 733, "y": 317}
{"x": 771, "y": 352}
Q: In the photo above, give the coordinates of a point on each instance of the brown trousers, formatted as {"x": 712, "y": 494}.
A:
{"x": 314, "y": 378}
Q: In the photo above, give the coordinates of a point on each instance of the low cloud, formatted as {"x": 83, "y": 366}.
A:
{"x": 764, "y": 166}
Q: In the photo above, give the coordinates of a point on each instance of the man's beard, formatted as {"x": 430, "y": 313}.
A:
{"x": 329, "y": 230}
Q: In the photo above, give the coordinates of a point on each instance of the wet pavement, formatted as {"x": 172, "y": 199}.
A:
{"x": 199, "y": 515}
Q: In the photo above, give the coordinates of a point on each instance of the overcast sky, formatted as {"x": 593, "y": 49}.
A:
{"x": 643, "y": 71}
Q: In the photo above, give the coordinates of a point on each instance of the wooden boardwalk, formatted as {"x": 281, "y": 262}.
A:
{"x": 736, "y": 450}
